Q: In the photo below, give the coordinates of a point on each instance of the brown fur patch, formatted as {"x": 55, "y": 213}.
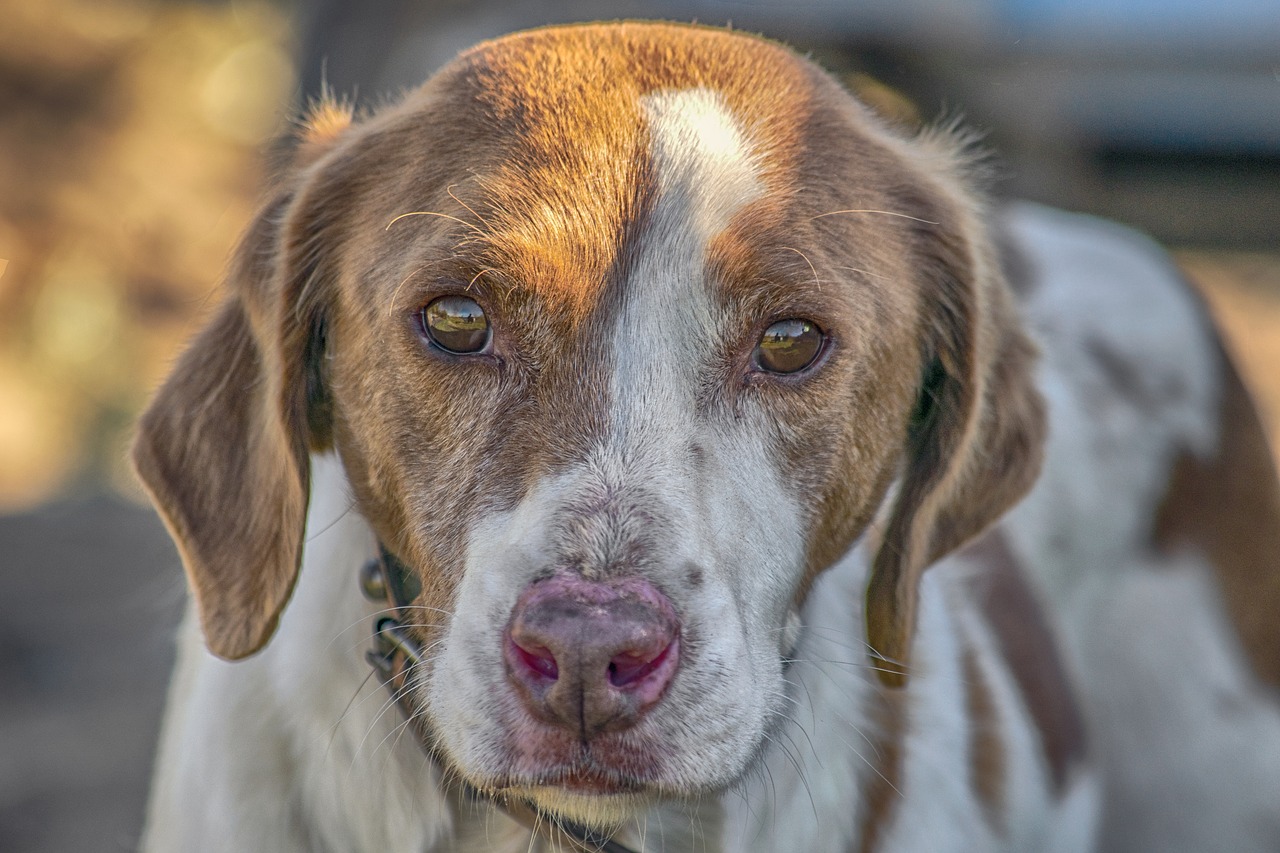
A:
{"x": 1228, "y": 508}
{"x": 572, "y": 188}
{"x": 882, "y": 781}
{"x": 1028, "y": 647}
{"x": 987, "y": 762}
{"x": 325, "y": 121}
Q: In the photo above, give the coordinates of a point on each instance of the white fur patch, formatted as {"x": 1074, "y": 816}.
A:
{"x": 1106, "y": 303}
{"x": 1189, "y": 744}
{"x": 291, "y": 746}
{"x": 706, "y": 171}
{"x": 1179, "y": 717}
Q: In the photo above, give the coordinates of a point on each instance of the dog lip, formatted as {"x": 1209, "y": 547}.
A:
{"x": 538, "y": 753}
{"x": 590, "y": 780}
{"x": 584, "y": 777}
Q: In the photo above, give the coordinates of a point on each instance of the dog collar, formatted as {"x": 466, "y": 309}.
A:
{"x": 387, "y": 581}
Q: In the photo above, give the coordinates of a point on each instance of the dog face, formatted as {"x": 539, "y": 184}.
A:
{"x": 623, "y": 334}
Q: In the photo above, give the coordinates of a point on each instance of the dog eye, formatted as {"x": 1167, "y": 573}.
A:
{"x": 789, "y": 346}
{"x": 456, "y": 324}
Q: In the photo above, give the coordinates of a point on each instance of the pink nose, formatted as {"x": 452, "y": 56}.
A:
{"x": 591, "y": 656}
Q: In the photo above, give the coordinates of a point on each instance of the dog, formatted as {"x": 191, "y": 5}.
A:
{"x": 744, "y": 480}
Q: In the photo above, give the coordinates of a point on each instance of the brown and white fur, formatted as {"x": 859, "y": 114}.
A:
{"x": 633, "y": 205}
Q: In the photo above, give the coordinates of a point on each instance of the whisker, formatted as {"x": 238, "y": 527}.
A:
{"x": 391, "y": 698}
{"x": 427, "y": 607}
{"x": 852, "y": 664}
{"x": 391, "y": 308}
{"x": 816, "y": 281}
{"x": 805, "y": 732}
{"x": 398, "y": 731}
{"x": 312, "y": 536}
{"x": 865, "y": 272}
{"x": 476, "y": 277}
{"x": 366, "y": 623}
{"x": 798, "y": 765}
{"x": 337, "y": 724}
{"x": 470, "y": 209}
{"x": 461, "y": 222}
{"x": 881, "y": 212}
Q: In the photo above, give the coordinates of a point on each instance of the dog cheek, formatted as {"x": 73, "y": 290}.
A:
{"x": 852, "y": 450}
{"x": 758, "y": 553}
{"x": 414, "y": 486}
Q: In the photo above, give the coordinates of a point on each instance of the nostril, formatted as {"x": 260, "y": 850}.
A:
{"x": 538, "y": 658}
{"x": 631, "y": 667}
{"x": 591, "y": 656}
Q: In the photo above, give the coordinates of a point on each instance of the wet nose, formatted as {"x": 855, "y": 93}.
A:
{"x": 591, "y": 656}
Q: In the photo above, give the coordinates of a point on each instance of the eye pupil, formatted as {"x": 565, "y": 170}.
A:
{"x": 789, "y": 346}
{"x": 456, "y": 324}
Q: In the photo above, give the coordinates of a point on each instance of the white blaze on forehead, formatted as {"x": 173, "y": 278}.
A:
{"x": 669, "y": 337}
{"x": 704, "y": 164}
{"x": 669, "y": 325}
{"x": 706, "y": 172}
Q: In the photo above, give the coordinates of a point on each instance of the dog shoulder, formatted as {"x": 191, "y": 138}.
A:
{"x": 1156, "y": 447}
{"x": 989, "y": 724}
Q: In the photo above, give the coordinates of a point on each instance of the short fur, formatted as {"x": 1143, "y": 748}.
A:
{"x": 632, "y": 205}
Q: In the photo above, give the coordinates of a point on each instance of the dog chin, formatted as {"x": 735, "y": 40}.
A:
{"x": 601, "y": 812}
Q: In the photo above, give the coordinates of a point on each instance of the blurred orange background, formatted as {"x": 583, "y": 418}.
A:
{"x": 131, "y": 148}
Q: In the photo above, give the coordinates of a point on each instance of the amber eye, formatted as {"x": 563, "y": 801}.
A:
{"x": 456, "y": 324}
{"x": 789, "y": 346}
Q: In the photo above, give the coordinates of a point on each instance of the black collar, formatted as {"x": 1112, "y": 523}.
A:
{"x": 387, "y": 581}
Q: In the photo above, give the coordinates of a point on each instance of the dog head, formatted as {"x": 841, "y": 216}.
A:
{"x": 623, "y": 333}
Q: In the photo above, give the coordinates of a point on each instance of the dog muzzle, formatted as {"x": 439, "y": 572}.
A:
{"x": 387, "y": 581}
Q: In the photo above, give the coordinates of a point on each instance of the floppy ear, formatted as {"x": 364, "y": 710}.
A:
{"x": 976, "y": 438}
{"x": 223, "y": 448}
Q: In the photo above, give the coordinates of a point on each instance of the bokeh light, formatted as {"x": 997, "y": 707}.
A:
{"x": 131, "y": 153}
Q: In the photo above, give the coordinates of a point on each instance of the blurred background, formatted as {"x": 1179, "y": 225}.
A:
{"x": 135, "y": 134}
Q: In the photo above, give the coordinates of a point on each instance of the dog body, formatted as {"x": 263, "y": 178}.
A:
{"x": 1154, "y": 532}
{"x": 667, "y": 370}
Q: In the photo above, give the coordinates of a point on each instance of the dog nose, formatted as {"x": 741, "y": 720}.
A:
{"x": 591, "y": 656}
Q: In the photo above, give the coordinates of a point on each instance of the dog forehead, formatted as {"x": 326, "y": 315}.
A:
{"x": 588, "y": 128}
{"x": 575, "y": 80}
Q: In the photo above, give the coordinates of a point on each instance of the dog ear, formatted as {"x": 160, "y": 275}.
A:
{"x": 975, "y": 440}
{"x": 223, "y": 448}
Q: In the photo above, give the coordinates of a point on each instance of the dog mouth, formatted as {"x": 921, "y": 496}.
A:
{"x": 591, "y": 780}
{"x": 578, "y": 719}
{"x": 586, "y": 778}
{"x": 583, "y": 771}
{"x": 609, "y": 764}
{"x": 539, "y": 759}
